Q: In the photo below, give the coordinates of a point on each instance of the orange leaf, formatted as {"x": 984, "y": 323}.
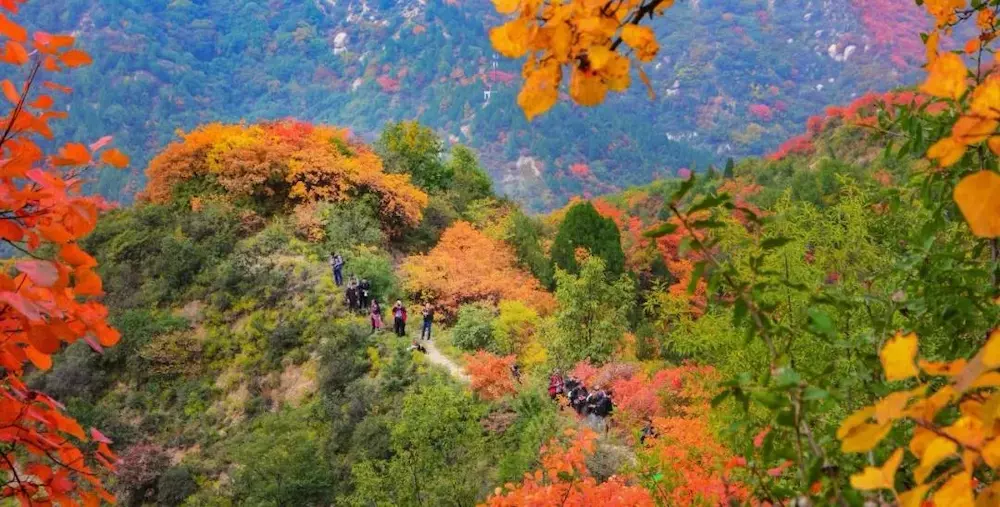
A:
{"x": 73, "y": 154}
{"x": 972, "y": 46}
{"x": 76, "y": 257}
{"x": 14, "y": 53}
{"x": 41, "y": 361}
{"x": 50, "y": 64}
{"x": 10, "y": 91}
{"x": 978, "y": 196}
{"x": 12, "y": 30}
{"x": 88, "y": 283}
{"x": 57, "y": 87}
{"x": 75, "y": 58}
{"x": 43, "y": 102}
{"x": 115, "y": 158}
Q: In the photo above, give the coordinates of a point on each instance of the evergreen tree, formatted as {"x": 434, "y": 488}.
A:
{"x": 585, "y": 228}
{"x": 730, "y": 167}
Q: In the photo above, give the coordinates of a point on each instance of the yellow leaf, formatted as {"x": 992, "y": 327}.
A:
{"x": 986, "y": 99}
{"x": 560, "y": 40}
{"x": 990, "y": 497}
{"x": 615, "y": 73}
{"x": 957, "y": 492}
{"x": 855, "y": 420}
{"x": 897, "y": 357}
{"x": 511, "y": 39}
{"x": 991, "y": 453}
{"x": 946, "y": 77}
{"x": 968, "y": 431}
{"x": 978, "y": 196}
{"x": 642, "y": 40}
{"x": 922, "y": 438}
{"x": 942, "y": 368}
{"x": 865, "y": 437}
{"x": 540, "y": 91}
{"x": 599, "y": 56}
{"x": 939, "y": 449}
{"x": 646, "y": 81}
{"x": 891, "y": 407}
{"x": 932, "y": 46}
{"x": 988, "y": 379}
{"x": 994, "y": 144}
{"x": 973, "y": 129}
{"x": 947, "y": 151}
{"x": 587, "y": 88}
{"x": 927, "y": 408}
{"x": 913, "y": 497}
{"x": 873, "y": 478}
{"x": 506, "y": 6}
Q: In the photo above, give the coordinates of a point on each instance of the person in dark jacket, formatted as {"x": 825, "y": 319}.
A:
{"x": 337, "y": 263}
{"x": 648, "y": 431}
{"x": 399, "y": 318}
{"x": 515, "y": 371}
{"x": 352, "y": 295}
{"x": 578, "y": 399}
{"x": 364, "y": 293}
{"x": 428, "y": 314}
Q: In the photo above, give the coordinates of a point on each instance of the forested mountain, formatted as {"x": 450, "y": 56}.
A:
{"x": 733, "y": 78}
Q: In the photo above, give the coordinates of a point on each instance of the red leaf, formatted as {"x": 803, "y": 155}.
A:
{"x": 88, "y": 283}
{"x": 14, "y": 53}
{"x": 76, "y": 257}
{"x": 22, "y": 305}
{"x": 10, "y": 231}
{"x": 73, "y": 154}
{"x": 57, "y": 87}
{"x": 89, "y": 338}
{"x": 41, "y": 273}
{"x": 40, "y": 360}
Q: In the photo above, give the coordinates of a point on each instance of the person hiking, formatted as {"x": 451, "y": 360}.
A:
{"x": 515, "y": 371}
{"x": 555, "y": 385}
{"x": 376, "y": 315}
{"x": 337, "y": 263}
{"x": 579, "y": 399}
{"x": 603, "y": 407}
{"x": 364, "y": 292}
{"x": 399, "y": 318}
{"x": 428, "y": 313}
{"x": 591, "y": 410}
{"x": 648, "y": 431}
{"x": 352, "y": 295}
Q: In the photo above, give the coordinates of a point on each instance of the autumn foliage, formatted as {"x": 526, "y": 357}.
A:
{"x": 491, "y": 374}
{"x": 46, "y": 297}
{"x": 467, "y": 266}
{"x": 295, "y": 163}
{"x": 563, "y": 479}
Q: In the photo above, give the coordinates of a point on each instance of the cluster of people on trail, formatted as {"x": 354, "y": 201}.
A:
{"x": 360, "y": 298}
{"x": 596, "y": 405}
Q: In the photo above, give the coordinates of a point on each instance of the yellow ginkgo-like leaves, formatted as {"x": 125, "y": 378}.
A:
{"x": 857, "y": 434}
{"x": 986, "y": 99}
{"x": 978, "y": 196}
{"x": 587, "y": 88}
{"x": 947, "y": 151}
{"x": 884, "y": 477}
{"x": 973, "y": 129}
{"x": 898, "y": 357}
{"x": 513, "y": 38}
{"x": 642, "y": 40}
{"x": 937, "y": 451}
{"x": 946, "y": 78}
{"x": 541, "y": 88}
{"x": 991, "y": 351}
{"x": 506, "y": 6}
{"x": 914, "y": 497}
{"x": 956, "y": 492}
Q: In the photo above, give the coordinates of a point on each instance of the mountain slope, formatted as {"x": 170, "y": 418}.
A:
{"x": 734, "y": 78}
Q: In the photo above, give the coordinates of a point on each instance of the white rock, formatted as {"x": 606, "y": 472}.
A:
{"x": 339, "y": 43}
{"x": 356, "y": 84}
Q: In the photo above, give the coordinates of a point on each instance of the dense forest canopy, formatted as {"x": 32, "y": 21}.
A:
{"x": 294, "y": 312}
{"x": 733, "y": 78}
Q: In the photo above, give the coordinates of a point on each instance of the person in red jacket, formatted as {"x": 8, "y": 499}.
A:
{"x": 399, "y": 318}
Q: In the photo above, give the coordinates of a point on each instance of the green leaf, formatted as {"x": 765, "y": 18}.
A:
{"x": 660, "y": 230}
{"x": 771, "y": 244}
{"x": 820, "y": 323}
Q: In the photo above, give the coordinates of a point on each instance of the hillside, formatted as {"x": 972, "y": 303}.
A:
{"x": 734, "y": 78}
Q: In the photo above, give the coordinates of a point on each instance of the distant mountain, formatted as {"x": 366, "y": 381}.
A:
{"x": 734, "y": 78}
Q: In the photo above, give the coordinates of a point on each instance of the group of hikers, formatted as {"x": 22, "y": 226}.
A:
{"x": 360, "y": 298}
{"x": 596, "y": 405}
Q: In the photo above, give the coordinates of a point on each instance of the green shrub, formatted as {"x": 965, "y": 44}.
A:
{"x": 175, "y": 485}
{"x": 474, "y": 328}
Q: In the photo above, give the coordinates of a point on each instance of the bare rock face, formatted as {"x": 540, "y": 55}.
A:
{"x": 339, "y": 43}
